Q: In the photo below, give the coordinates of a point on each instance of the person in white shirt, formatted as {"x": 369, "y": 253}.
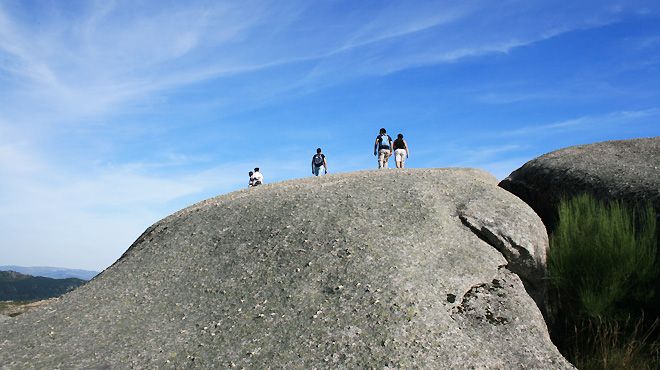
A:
{"x": 257, "y": 178}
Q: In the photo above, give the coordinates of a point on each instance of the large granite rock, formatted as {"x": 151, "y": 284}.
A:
{"x": 628, "y": 170}
{"x": 375, "y": 269}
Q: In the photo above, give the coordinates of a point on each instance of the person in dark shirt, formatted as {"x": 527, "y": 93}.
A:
{"x": 401, "y": 151}
{"x": 318, "y": 162}
{"x": 383, "y": 148}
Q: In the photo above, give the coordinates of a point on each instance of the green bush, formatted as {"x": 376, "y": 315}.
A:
{"x": 603, "y": 269}
{"x": 602, "y": 257}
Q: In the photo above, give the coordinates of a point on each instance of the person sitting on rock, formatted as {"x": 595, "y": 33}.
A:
{"x": 318, "y": 161}
{"x": 383, "y": 148}
{"x": 257, "y": 177}
{"x": 401, "y": 151}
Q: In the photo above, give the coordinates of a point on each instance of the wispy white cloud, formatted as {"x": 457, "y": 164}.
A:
{"x": 15, "y": 161}
{"x": 51, "y": 214}
{"x": 118, "y": 52}
{"x": 399, "y": 20}
{"x": 499, "y": 160}
{"x": 446, "y": 32}
{"x": 111, "y": 54}
{"x": 503, "y": 167}
{"x": 106, "y": 59}
{"x": 470, "y": 156}
{"x": 588, "y": 122}
{"x": 510, "y": 97}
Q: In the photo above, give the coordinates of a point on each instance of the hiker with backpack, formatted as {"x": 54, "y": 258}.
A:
{"x": 401, "y": 151}
{"x": 318, "y": 161}
{"x": 257, "y": 178}
{"x": 383, "y": 148}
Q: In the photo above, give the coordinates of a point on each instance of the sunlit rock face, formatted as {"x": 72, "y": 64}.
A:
{"x": 628, "y": 170}
{"x": 396, "y": 268}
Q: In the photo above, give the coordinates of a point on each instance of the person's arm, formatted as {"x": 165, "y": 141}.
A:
{"x": 390, "y": 140}
{"x": 325, "y": 164}
{"x": 312, "y": 165}
{"x": 407, "y": 149}
{"x": 376, "y": 147}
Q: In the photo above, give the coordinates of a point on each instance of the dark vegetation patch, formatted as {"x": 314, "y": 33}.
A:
{"x": 19, "y": 287}
{"x": 603, "y": 271}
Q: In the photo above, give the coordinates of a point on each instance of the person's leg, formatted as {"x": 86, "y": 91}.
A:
{"x": 381, "y": 158}
{"x": 316, "y": 171}
{"x": 386, "y": 159}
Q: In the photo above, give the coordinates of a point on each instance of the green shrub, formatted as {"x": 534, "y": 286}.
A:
{"x": 603, "y": 270}
{"x": 602, "y": 257}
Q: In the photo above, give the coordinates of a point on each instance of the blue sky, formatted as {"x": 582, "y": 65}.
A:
{"x": 114, "y": 114}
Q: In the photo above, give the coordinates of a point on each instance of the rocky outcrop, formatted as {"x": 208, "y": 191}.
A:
{"x": 628, "y": 170}
{"x": 375, "y": 269}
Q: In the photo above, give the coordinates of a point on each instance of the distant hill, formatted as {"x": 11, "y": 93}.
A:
{"x": 51, "y": 272}
{"x": 15, "y": 286}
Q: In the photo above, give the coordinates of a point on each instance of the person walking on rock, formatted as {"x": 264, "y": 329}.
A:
{"x": 401, "y": 151}
{"x": 257, "y": 177}
{"x": 318, "y": 161}
{"x": 383, "y": 148}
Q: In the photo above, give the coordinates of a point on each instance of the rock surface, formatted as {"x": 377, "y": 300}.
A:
{"x": 374, "y": 269}
{"x": 624, "y": 169}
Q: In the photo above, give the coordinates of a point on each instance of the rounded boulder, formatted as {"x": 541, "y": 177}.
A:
{"x": 425, "y": 268}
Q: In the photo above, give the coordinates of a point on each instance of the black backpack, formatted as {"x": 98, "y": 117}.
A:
{"x": 318, "y": 160}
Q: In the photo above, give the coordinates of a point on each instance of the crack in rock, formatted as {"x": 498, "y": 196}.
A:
{"x": 519, "y": 259}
